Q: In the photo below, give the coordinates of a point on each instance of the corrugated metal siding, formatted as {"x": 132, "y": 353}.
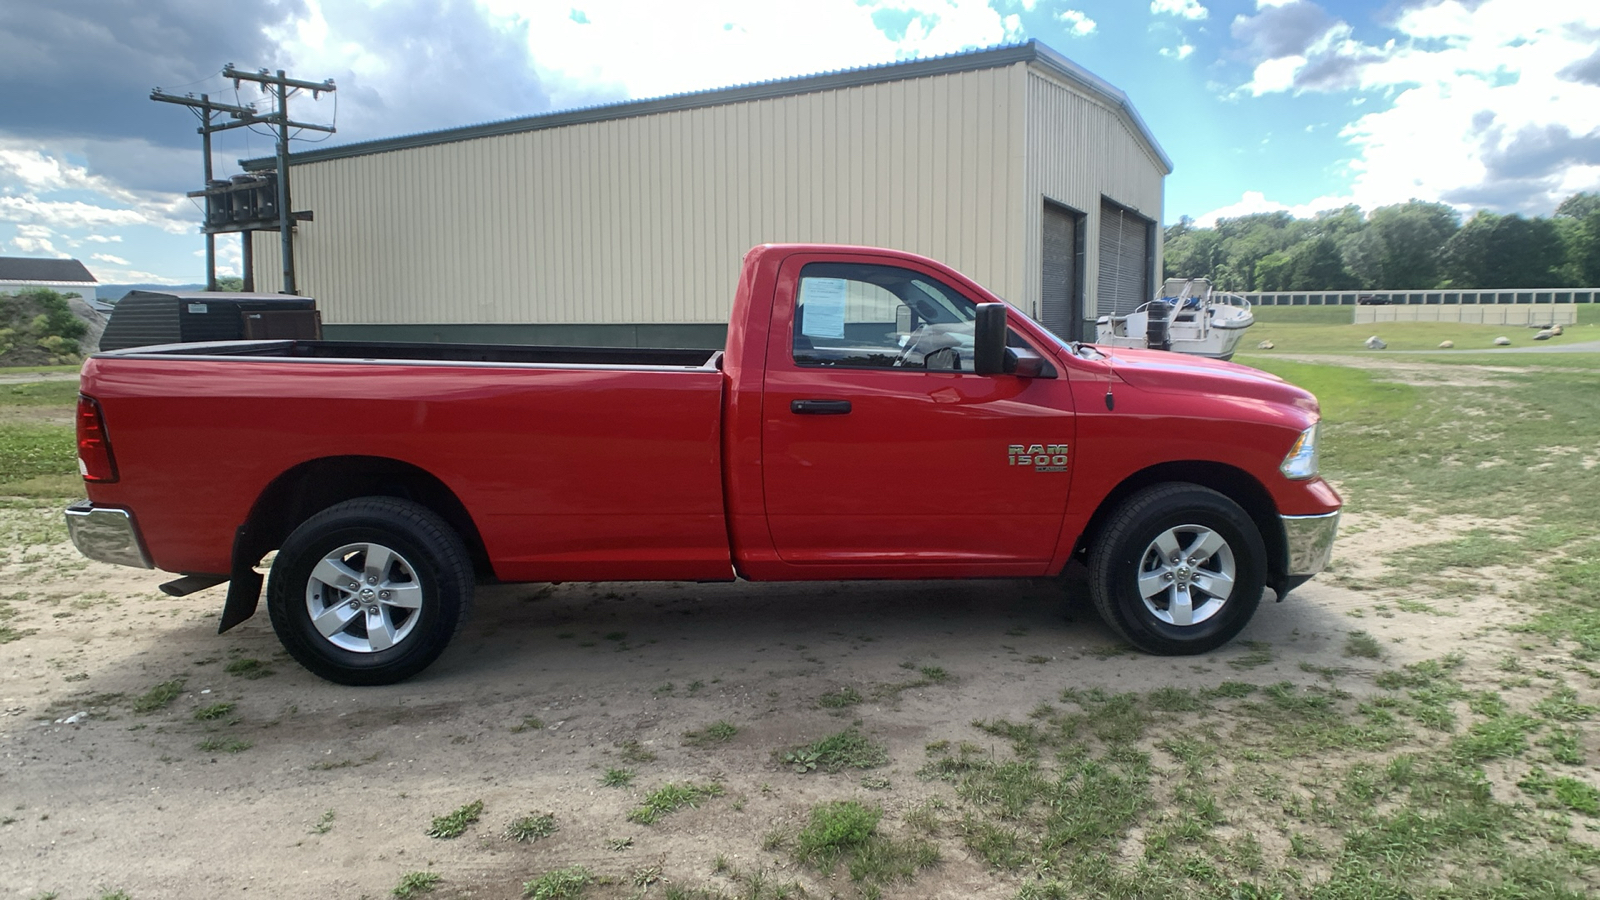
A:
{"x": 644, "y": 219}
{"x": 1081, "y": 152}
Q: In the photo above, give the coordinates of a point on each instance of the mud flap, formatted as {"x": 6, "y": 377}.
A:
{"x": 244, "y": 586}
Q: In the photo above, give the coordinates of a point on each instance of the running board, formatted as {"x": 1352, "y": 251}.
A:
{"x": 189, "y": 584}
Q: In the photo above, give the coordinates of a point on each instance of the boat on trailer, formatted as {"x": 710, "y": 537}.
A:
{"x": 1189, "y": 316}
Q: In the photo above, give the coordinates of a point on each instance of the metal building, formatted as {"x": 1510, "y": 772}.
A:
{"x": 624, "y": 225}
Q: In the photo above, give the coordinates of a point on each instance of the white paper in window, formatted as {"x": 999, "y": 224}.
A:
{"x": 823, "y": 299}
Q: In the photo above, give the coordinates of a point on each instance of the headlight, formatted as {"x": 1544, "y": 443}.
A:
{"x": 1302, "y": 459}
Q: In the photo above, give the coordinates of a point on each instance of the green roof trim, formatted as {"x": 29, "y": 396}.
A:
{"x": 969, "y": 61}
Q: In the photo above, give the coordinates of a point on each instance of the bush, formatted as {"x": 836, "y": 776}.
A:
{"x": 38, "y": 327}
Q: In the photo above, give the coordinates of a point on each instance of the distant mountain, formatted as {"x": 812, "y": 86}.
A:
{"x": 111, "y": 293}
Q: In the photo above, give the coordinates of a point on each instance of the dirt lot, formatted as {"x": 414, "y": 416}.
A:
{"x": 1417, "y": 721}
{"x": 308, "y": 789}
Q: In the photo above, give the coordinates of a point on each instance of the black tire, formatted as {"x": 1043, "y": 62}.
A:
{"x": 406, "y": 555}
{"x": 1129, "y": 552}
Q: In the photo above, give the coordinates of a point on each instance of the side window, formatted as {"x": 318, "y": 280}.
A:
{"x": 860, "y": 316}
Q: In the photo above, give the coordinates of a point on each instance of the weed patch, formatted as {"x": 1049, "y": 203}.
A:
{"x": 247, "y": 668}
{"x": 213, "y": 712}
{"x": 840, "y": 699}
{"x": 560, "y": 884}
{"x": 528, "y": 829}
{"x": 848, "y": 749}
{"x": 847, "y": 831}
{"x": 719, "y": 732}
{"x": 617, "y": 778}
{"x": 158, "y": 697}
{"x": 1363, "y": 645}
{"x": 456, "y": 822}
{"x": 415, "y": 884}
{"x": 670, "y": 798}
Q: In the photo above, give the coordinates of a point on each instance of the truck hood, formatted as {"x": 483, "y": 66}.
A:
{"x": 1162, "y": 371}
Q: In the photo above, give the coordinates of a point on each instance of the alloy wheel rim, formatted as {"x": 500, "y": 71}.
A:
{"x": 364, "y": 597}
{"x": 1186, "y": 575}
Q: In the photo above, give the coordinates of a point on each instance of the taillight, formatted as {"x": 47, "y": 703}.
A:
{"x": 94, "y": 449}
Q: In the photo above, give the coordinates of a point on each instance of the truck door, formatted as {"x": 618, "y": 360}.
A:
{"x": 883, "y": 452}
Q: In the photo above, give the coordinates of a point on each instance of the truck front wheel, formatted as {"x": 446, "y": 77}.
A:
{"x": 1178, "y": 569}
{"x": 369, "y": 591}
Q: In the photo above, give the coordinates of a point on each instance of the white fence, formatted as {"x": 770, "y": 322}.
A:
{"x": 1516, "y": 297}
{"x": 1540, "y": 315}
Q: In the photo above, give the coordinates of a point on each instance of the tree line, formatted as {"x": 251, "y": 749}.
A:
{"x": 1407, "y": 246}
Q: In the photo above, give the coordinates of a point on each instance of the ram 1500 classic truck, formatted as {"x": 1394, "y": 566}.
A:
{"x": 875, "y": 415}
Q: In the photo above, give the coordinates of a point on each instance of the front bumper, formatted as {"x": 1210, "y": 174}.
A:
{"x": 106, "y": 534}
{"x": 1310, "y": 543}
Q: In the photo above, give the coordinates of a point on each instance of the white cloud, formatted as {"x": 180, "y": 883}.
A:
{"x": 1484, "y": 105}
{"x": 1253, "y": 202}
{"x": 644, "y": 48}
{"x": 1275, "y": 75}
{"x": 1181, "y": 51}
{"x": 104, "y": 238}
{"x": 1078, "y": 24}
{"x": 106, "y": 257}
{"x": 117, "y": 275}
{"x": 1185, "y": 9}
{"x": 65, "y": 213}
{"x": 29, "y": 176}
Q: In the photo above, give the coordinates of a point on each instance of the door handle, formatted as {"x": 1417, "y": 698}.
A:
{"x": 819, "y": 407}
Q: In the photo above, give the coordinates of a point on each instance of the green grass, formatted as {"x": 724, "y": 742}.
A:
{"x": 560, "y": 884}
{"x": 213, "y": 712}
{"x": 33, "y": 451}
{"x": 848, "y": 749}
{"x": 413, "y": 884}
{"x": 847, "y": 831}
{"x": 158, "y": 697}
{"x": 248, "y": 668}
{"x": 25, "y": 370}
{"x": 528, "y": 829}
{"x": 1307, "y": 335}
{"x": 1363, "y": 645}
{"x": 455, "y": 823}
{"x": 617, "y": 778}
{"x": 670, "y": 798}
{"x": 840, "y": 698}
{"x": 719, "y": 732}
{"x": 223, "y": 745}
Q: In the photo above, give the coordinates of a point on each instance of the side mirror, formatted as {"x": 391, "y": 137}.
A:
{"x": 989, "y": 339}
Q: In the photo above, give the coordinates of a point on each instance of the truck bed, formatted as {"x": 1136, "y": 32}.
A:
{"x": 576, "y": 463}
{"x": 433, "y": 353}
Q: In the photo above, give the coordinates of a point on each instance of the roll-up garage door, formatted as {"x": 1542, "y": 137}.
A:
{"x": 1124, "y": 271}
{"x": 1059, "y": 306}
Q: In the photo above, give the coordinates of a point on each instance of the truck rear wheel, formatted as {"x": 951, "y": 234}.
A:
{"x": 1179, "y": 569}
{"x": 369, "y": 591}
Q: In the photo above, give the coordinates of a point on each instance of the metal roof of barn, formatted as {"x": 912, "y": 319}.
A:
{"x": 1031, "y": 52}
{"x": 47, "y": 271}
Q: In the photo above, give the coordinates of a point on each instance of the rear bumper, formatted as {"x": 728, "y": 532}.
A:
{"x": 1309, "y": 540}
{"x": 106, "y": 534}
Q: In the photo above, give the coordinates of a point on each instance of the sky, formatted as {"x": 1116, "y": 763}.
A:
{"x": 1262, "y": 105}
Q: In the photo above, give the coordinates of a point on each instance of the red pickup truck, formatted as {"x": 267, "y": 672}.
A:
{"x": 874, "y": 415}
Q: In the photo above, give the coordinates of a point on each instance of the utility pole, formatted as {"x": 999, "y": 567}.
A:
{"x": 282, "y": 83}
{"x": 245, "y": 221}
{"x": 208, "y": 112}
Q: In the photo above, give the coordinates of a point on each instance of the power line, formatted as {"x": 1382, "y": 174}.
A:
{"x": 279, "y": 87}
